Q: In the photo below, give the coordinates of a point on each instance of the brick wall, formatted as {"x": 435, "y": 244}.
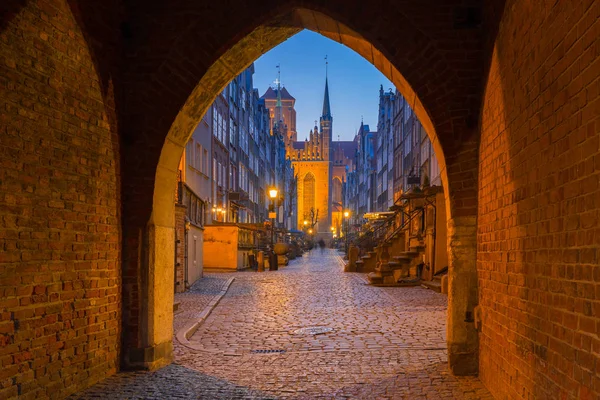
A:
{"x": 539, "y": 203}
{"x": 180, "y": 213}
{"x": 59, "y": 202}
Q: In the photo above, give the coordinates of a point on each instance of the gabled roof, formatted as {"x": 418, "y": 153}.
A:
{"x": 272, "y": 94}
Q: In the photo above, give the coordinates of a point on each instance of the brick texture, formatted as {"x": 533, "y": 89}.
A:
{"x": 59, "y": 206}
{"x": 180, "y": 237}
{"x": 89, "y": 92}
{"x": 539, "y": 203}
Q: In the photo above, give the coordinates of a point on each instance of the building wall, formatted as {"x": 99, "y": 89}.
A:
{"x": 220, "y": 247}
{"x": 60, "y": 252}
{"x": 321, "y": 170}
{"x": 180, "y": 281}
{"x": 539, "y": 203}
{"x": 198, "y": 159}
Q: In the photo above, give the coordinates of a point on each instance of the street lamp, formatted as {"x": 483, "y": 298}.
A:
{"x": 346, "y": 215}
{"x": 272, "y": 257}
{"x": 273, "y": 196}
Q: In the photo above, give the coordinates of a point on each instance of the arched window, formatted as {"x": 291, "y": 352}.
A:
{"x": 336, "y": 193}
{"x": 309, "y": 192}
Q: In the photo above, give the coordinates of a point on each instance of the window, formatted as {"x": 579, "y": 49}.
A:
{"x": 337, "y": 190}
{"x": 205, "y": 162}
{"x": 198, "y": 158}
{"x": 214, "y": 169}
{"x": 215, "y": 124}
{"x": 189, "y": 153}
{"x": 232, "y": 130}
{"x": 309, "y": 192}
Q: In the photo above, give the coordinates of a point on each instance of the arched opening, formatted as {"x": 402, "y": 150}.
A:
{"x": 336, "y": 195}
{"x": 461, "y": 334}
{"x": 308, "y": 194}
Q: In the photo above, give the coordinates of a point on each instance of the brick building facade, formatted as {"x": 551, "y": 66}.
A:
{"x": 98, "y": 100}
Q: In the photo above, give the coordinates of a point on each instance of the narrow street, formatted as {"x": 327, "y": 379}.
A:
{"x": 367, "y": 342}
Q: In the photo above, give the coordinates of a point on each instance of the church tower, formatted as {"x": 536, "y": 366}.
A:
{"x": 326, "y": 124}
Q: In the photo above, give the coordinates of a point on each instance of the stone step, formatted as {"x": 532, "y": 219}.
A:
{"x": 375, "y": 279}
{"x": 403, "y": 259}
{"x": 433, "y": 285}
{"x": 410, "y": 253}
{"x": 384, "y": 267}
{"x": 400, "y": 274}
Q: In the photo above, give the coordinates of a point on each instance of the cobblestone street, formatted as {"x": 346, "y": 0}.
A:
{"x": 370, "y": 342}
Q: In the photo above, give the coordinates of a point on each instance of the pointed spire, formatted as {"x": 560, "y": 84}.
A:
{"x": 326, "y": 106}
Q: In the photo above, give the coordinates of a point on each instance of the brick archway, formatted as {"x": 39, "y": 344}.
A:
{"x": 97, "y": 98}
{"x": 458, "y": 144}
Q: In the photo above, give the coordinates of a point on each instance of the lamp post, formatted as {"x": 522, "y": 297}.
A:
{"x": 346, "y": 215}
{"x": 272, "y": 257}
{"x": 272, "y": 214}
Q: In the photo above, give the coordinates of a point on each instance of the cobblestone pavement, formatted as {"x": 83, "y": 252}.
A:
{"x": 377, "y": 343}
{"x": 194, "y": 300}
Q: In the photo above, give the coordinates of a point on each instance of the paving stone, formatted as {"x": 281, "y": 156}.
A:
{"x": 384, "y": 343}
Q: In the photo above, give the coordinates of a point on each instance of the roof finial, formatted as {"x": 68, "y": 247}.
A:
{"x": 278, "y": 86}
{"x": 326, "y": 66}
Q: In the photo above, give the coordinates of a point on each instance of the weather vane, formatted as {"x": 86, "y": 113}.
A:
{"x": 278, "y": 80}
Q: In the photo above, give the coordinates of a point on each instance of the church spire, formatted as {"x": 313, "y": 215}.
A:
{"x": 326, "y": 106}
{"x": 278, "y": 86}
{"x": 278, "y": 112}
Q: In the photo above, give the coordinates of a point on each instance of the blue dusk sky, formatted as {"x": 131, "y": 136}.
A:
{"x": 353, "y": 82}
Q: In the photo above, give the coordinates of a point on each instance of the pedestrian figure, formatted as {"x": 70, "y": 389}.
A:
{"x": 322, "y": 245}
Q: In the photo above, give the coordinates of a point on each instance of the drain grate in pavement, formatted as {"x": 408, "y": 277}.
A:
{"x": 270, "y": 351}
{"x": 313, "y": 330}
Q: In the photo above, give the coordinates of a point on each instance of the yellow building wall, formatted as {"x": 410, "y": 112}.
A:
{"x": 220, "y": 247}
{"x": 322, "y": 172}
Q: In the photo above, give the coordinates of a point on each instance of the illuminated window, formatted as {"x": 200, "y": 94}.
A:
{"x": 337, "y": 190}
{"x": 309, "y": 192}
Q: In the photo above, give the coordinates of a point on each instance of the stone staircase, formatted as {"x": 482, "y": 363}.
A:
{"x": 396, "y": 270}
{"x": 438, "y": 284}
{"x": 367, "y": 263}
